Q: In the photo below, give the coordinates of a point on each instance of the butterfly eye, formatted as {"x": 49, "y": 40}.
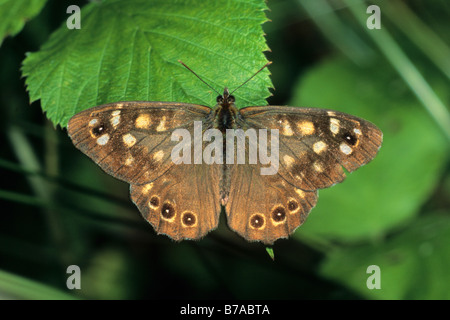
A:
{"x": 219, "y": 99}
{"x": 231, "y": 99}
{"x": 349, "y": 138}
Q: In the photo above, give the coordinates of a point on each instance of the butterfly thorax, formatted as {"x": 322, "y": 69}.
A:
{"x": 225, "y": 112}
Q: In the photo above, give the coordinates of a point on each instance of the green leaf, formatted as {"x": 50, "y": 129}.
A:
{"x": 129, "y": 50}
{"x": 391, "y": 189}
{"x": 15, "y": 13}
{"x": 413, "y": 264}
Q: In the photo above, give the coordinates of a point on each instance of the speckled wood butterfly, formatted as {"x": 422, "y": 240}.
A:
{"x": 132, "y": 142}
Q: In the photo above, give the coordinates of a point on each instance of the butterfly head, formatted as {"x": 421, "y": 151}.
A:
{"x": 226, "y": 98}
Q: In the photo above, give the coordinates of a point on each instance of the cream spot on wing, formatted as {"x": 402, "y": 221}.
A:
{"x": 287, "y": 130}
{"x": 331, "y": 113}
{"x": 115, "y": 120}
{"x": 93, "y": 122}
{"x": 188, "y": 219}
{"x": 119, "y": 105}
{"x": 115, "y": 113}
{"x": 154, "y": 200}
{"x": 102, "y": 140}
{"x": 288, "y": 160}
{"x": 257, "y": 221}
{"x": 334, "y": 125}
{"x": 300, "y": 175}
{"x": 129, "y": 140}
{"x": 158, "y": 155}
{"x": 318, "y": 166}
{"x": 146, "y": 174}
{"x": 357, "y": 131}
{"x": 129, "y": 161}
{"x": 306, "y": 128}
{"x": 147, "y": 188}
{"x": 143, "y": 121}
{"x": 319, "y": 147}
{"x": 162, "y": 125}
{"x": 345, "y": 148}
{"x": 300, "y": 192}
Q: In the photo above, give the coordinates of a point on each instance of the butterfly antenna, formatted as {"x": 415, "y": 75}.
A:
{"x": 265, "y": 66}
{"x": 198, "y": 77}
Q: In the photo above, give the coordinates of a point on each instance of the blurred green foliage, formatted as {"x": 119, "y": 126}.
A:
{"x": 61, "y": 209}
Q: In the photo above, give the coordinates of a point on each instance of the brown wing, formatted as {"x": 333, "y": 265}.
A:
{"x": 132, "y": 142}
{"x": 314, "y": 145}
{"x": 183, "y": 203}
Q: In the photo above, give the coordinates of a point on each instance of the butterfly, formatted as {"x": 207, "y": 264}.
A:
{"x": 134, "y": 141}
